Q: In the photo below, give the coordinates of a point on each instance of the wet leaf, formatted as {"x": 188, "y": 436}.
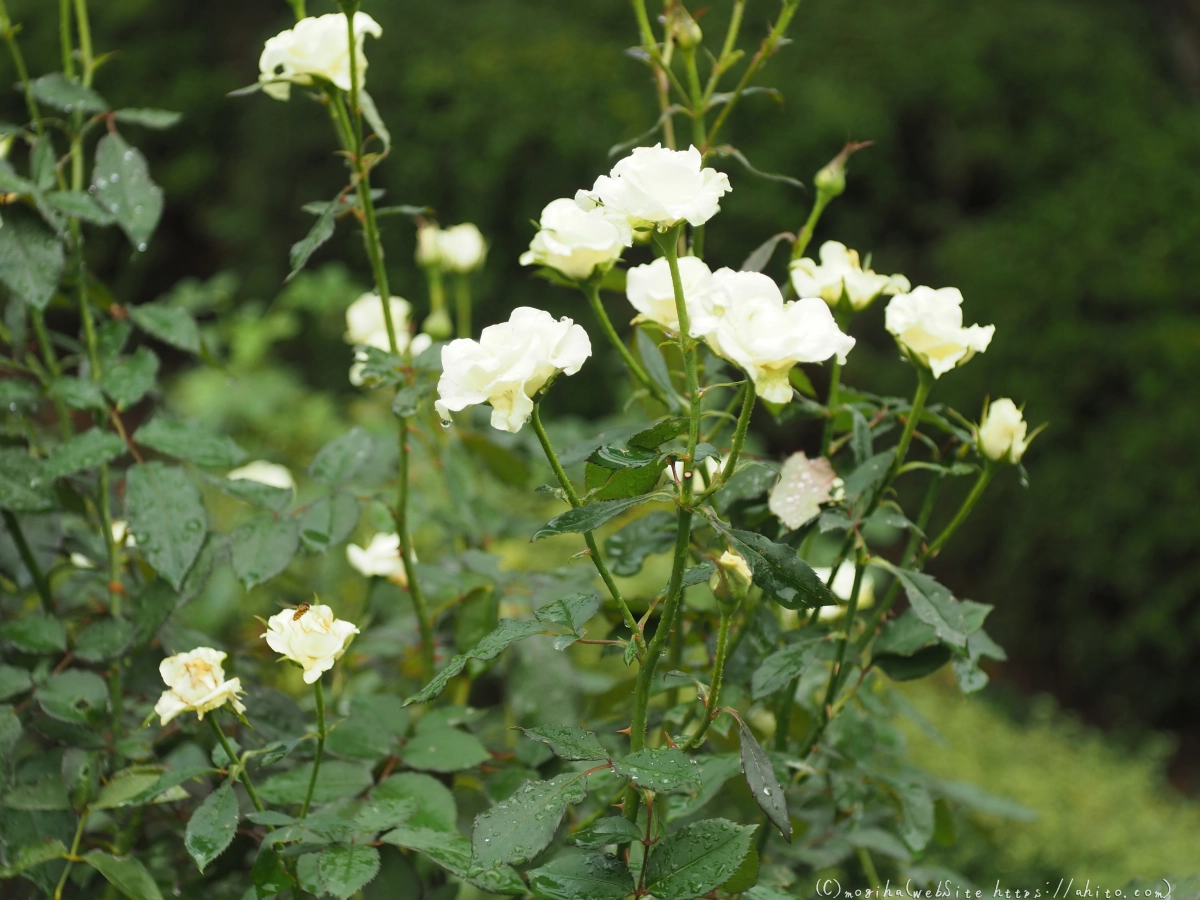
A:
{"x": 697, "y": 859}
{"x": 122, "y": 185}
{"x": 444, "y": 750}
{"x": 664, "y": 770}
{"x": 568, "y": 741}
{"x": 521, "y": 827}
{"x": 167, "y": 518}
{"x": 582, "y": 876}
{"x": 211, "y": 828}
{"x": 31, "y": 258}
{"x": 764, "y": 785}
{"x": 263, "y": 548}
{"x": 83, "y": 451}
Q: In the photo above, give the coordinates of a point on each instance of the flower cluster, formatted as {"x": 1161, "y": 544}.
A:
{"x": 840, "y": 275}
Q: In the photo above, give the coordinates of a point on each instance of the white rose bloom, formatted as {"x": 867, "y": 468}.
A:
{"x": 314, "y": 639}
{"x": 928, "y": 326}
{"x": 766, "y": 337}
{"x": 659, "y": 188}
{"x": 319, "y": 47}
{"x": 1002, "y": 433}
{"x": 196, "y": 683}
{"x": 651, "y": 293}
{"x": 268, "y": 473}
{"x": 841, "y": 272}
{"x": 381, "y": 557}
{"x": 575, "y": 241}
{"x": 429, "y": 245}
{"x": 843, "y": 587}
{"x": 366, "y": 326}
{"x": 462, "y": 248}
{"x": 509, "y": 364}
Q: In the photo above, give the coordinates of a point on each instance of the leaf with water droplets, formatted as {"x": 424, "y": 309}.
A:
{"x": 122, "y": 185}
{"x": 778, "y": 669}
{"x": 665, "y": 770}
{"x": 62, "y": 93}
{"x": 697, "y": 859}
{"x": 803, "y": 486}
{"x": 345, "y": 868}
{"x": 453, "y": 853}
{"x": 568, "y": 741}
{"x": 212, "y": 826}
{"x": 186, "y": 440}
{"x": 167, "y": 518}
{"x": 778, "y": 570}
{"x": 521, "y": 827}
{"x": 492, "y": 644}
{"x": 764, "y": 786}
{"x": 31, "y": 258}
{"x": 609, "y": 830}
{"x": 582, "y": 876}
{"x": 83, "y": 451}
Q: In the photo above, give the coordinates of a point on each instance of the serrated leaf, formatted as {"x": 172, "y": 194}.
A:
{"x": 345, "y": 868}
{"x": 32, "y": 855}
{"x": 341, "y": 458}
{"x": 130, "y": 378}
{"x": 917, "y": 816}
{"x": 609, "y": 830}
{"x": 80, "y": 205}
{"x": 521, "y": 827}
{"x": 607, "y": 484}
{"x": 255, "y": 493}
{"x": 21, "y": 487}
{"x": 263, "y": 548}
{"x": 321, "y": 231}
{"x": 156, "y": 119}
{"x": 582, "y": 876}
{"x": 123, "y": 187}
{"x": 764, "y": 786}
{"x": 13, "y": 681}
{"x": 588, "y": 518}
{"x": 664, "y": 770}
{"x": 104, "y": 640}
{"x": 83, "y": 451}
{"x": 435, "y": 806}
{"x": 328, "y": 521}
{"x": 697, "y": 859}
{"x": 35, "y": 633}
{"x": 192, "y": 442}
{"x": 73, "y": 696}
{"x": 126, "y": 874}
{"x": 211, "y": 828}
{"x": 776, "y": 568}
{"x": 453, "y": 853}
{"x": 62, "y": 93}
{"x": 167, "y": 518}
{"x": 78, "y": 393}
{"x": 31, "y": 258}
{"x": 444, "y": 749}
{"x": 861, "y": 483}
{"x": 627, "y": 548}
{"x": 570, "y": 612}
{"x": 656, "y": 435}
{"x": 337, "y": 779}
{"x": 124, "y": 788}
{"x": 507, "y": 632}
{"x": 170, "y": 324}
{"x": 269, "y": 874}
{"x": 382, "y": 813}
{"x": 933, "y": 604}
{"x": 568, "y": 741}
{"x": 781, "y": 667}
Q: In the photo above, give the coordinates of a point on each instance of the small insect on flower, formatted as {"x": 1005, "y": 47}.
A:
{"x": 300, "y": 611}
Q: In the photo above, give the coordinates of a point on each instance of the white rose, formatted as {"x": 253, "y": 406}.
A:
{"x": 196, "y": 683}
{"x": 575, "y": 241}
{"x": 366, "y": 326}
{"x": 1002, "y": 433}
{"x": 928, "y": 326}
{"x": 659, "y": 188}
{"x": 381, "y": 557}
{"x": 652, "y": 293}
{"x": 429, "y": 247}
{"x": 840, "y": 272}
{"x": 268, "y": 473}
{"x": 843, "y": 587}
{"x": 509, "y": 364}
{"x": 462, "y": 248}
{"x": 315, "y": 639}
{"x": 319, "y": 47}
{"x": 766, "y": 337}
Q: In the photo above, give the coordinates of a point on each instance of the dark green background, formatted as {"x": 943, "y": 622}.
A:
{"x": 1042, "y": 155}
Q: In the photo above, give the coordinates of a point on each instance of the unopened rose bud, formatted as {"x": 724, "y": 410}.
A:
{"x": 732, "y": 580}
{"x": 438, "y": 325}
{"x": 429, "y": 250}
{"x": 683, "y": 28}
{"x": 1001, "y": 436}
{"x": 831, "y": 180}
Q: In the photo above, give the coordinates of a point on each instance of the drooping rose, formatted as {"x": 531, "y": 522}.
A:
{"x": 927, "y": 324}
{"x": 196, "y": 683}
{"x": 509, "y": 364}
{"x": 652, "y": 293}
{"x": 315, "y": 639}
{"x": 316, "y": 47}
{"x": 841, "y": 273}
{"x": 381, "y": 557}
{"x": 575, "y": 241}
{"x": 655, "y": 187}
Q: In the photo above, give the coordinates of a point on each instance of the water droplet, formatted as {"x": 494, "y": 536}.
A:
{"x": 446, "y": 423}
{"x": 128, "y": 155}
{"x": 114, "y": 177}
{"x": 142, "y": 247}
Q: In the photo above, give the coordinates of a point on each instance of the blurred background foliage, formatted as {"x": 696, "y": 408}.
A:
{"x": 1039, "y": 154}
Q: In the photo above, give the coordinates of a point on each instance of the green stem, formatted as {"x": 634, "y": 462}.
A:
{"x": 725, "y": 60}
{"x": 298, "y": 9}
{"x": 84, "y": 27}
{"x": 714, "y": 689}
{"x": 981, "y": 483}
{"x": 699, "y": 135}
{"x": 55, "y": 370}
{"x": 735, "y": 449}
{"x": 234, "y": 761}
{"x": 420, "y": 607}
{"x": 18, "y": 58}
{"x": 35, "y": 571}
{"x": 650, "y": 45}
{"x": 591, "y": 290}
{"x": 924, "y": 384}
{"x": 835, "y": 383}
{"x": 804, "y": 238}
{"x": 462, "y": 287}
{"x": 312, "y": 782}
{"x": 62, "y": 879}
{"x": 668, "y": 241}
{"x": 593, "y": 550}
{"x": 868, "y": 867}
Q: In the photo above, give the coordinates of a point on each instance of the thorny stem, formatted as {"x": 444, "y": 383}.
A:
{"x": 18, "y": 58}
{"x": 989, "y": 469}
{"x": 592, "y": 291}
{"x": 72, "y": 856}
{"x": 234, "y": 761}
{"x": 593, "y": 550}
{"x": 714, "y": 688}
{"x": 312, "y": 782}
{"x": 35, "y": 572}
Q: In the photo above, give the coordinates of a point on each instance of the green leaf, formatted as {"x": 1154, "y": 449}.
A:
{"x": 73, "y": 696}
{"x": 933, "y": 604}
{"x": 83, "y": 451}
{"x": 656, "y": 367}
{"x": 337, "y": 780}
{"x": 13, "y": 681}
{"x": 453, "y": 853}
{"x": 764, "y": 786}
{"x": 916, "y": 665}
{"x": 444, "y": 749}
{"x": 328, "y": 521}
{"x": 977, "y": 799}
{"x": 48, "y": 793}
{"x": 80, "y": 205}
{"x": 321, "y": 231}
{"x": 917, "y": 816}
{"x": 131, "y": 378}
{"x": 568, "y": 741}
{"x": 255, "y": 493}
{"x": 860, "y": 439}
{"x": 655, "y": 436}
{"x": 31, "y": 258}
{"x": 435, "y": 807}
{"x": 21, "y": 487}
{"x": 761, "y": 255}
{"x": 776, "y": 568}
{"x": 407, "y": 401}
{"x": 697, "y": 858}
{"x": 338, "y": 461}
{"x": 345, "y": 868}
{"x": 362, "y": 737}
{"x": 382, "y": 813}
{"x": 664, "y": 770}
{"x": 572, "y": 612}
{"x": 32, "y": 855}
{"x": 170, "y": 324}
{"x": 588, "y": 518}
{"x": 167, "y": 518}
{"x": 371, "y": 114}
{"x": 191, "y": 442}
{"x": 607, "y": 484}
{"x": 124, "y": 188}
{"x": 62, "y": 93}
{"x": 971, "y": 679}
{"x": 211, "y": 828}
{"x": 126, "y": 874}
{"x": 609, "y": 830}
{"x": 521, "y": 827}
{"x": 156, "y": 119}
{"x": 507, "y": 632}
{"x": 619, "y": 455}
{"x": 78, "y": 393}
{"x": 269, "y": 874}
{"x": 104, "y": 639}
{"x": 582, "y": 876}
{"x": 263, "y": 548}
{"x": 863, "y": 480}
{"x": 778, "y": 669}
{"x": 127, "y": 788}
{"x": 628, "y": 548}
{"x": 35, "y": 633}
{"x": 15, "y": 394}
